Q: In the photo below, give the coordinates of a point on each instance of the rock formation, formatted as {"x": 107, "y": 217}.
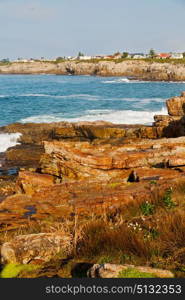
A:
{"x": 86, "y": 170}
{"x": 35, "y": 248}
{"x": 132, "y": 68}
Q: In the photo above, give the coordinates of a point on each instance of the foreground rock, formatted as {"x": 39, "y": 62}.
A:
{"x": 176, "y": 105}
{"x": 85, "y": 161}
{"x": 113, "y": 271}
{"x": 25, "y": 155}
{"x": 83, "y": 200}
{"x": 35, "y": 248}
{"x": 31, "y": 182}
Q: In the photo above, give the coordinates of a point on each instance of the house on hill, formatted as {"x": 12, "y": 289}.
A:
{"x": 176, "y": 55}
{"x": 163, "y": 55}
{"x": 138, "y": 55}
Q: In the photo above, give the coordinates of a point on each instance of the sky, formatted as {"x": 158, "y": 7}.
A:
{"x": 52, "y": 28}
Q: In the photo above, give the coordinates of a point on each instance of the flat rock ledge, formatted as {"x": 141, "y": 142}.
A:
{"x": 35, "y": 248}
{"x": 112, "y": 271}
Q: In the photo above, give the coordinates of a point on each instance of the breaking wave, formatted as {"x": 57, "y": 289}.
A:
{"x": 114, "y": 116}
{"x": 8, "y": 140}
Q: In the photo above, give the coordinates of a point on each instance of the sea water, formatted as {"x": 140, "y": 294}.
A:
{"x": 54, "y": 98}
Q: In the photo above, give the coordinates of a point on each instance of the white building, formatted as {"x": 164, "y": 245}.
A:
{"x": 85, "y": 57}
{"x": 138, "y": 56}
{"x": 176, "y": 55}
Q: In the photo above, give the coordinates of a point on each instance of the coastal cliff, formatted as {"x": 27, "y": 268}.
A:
{"x": 143, "y": 70}
{"x": 96, "y": 192}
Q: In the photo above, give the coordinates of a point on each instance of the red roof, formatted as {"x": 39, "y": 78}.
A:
{"x": 164, "y": 55}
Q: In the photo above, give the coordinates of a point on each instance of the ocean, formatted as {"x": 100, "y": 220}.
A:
{"x": 54, "y": 98}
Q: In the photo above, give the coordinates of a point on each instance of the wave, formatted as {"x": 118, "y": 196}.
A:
{"x": 120, "y": 80}
{"x": 95, "y": 97}
{"x": 8, "y": 140}
{"x": 3, "y": 96}
{"x": 114, "y": 116}
{"x": 126, "y": 80}
{"x": 82, "y": 96}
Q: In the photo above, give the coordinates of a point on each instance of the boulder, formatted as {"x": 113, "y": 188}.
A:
{"x": 176, "y": 105}
{"x": 31, "y": 248}
{"x": 112, "y": 271}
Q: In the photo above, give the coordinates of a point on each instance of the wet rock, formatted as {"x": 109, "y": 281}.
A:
{"x": 112, "y": 271}
{"x": 31, "y": 248}
{"x": 32, "y": 133}
{"x": 24, "y": 155}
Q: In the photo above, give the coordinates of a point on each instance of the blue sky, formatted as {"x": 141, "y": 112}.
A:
{"x": 51, "y": 28}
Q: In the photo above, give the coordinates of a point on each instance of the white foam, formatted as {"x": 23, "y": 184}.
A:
{"x": 126, "y": 80}
{"x": 120, "y": 80}
{"x": 114, "y": 116}
{"x": 8, "y": 140}
{"x": 81, "y": 96}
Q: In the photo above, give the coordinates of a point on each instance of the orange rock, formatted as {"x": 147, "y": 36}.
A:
{"x": 84, "y": 161}
{"x": 31, "y": 182}
{"x": 176, "y": 105}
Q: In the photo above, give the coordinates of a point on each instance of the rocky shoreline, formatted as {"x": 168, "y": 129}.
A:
{"x": 123, "y": 182}
{"x": 138, "y": 69}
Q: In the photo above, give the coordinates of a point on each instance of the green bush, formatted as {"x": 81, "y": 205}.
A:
{"x": 147, "y": 208}
{"x": 167, "y": 199}
{"x": 134, "y": 273}
{"x": 13, "y": 270}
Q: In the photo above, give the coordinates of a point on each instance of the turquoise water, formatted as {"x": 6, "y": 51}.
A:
{"x": 52, "y": 98}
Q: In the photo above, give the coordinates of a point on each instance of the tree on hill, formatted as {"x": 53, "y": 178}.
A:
{"x": 80, "y": 54}
{"x": 152, "y": 53}
{"x": 125, "y": 55}
{"x": 60, "y": 58}
{"x": 183, "y": 54}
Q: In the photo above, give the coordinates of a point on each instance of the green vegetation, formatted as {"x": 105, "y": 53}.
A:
{"x": 120, "y": 60}
{"x": 153, "y": 235}
{"x": 152, "y": 53}
{"x": 105, "y": 259}
{"x": 167, "y": 199}
{"x": 153, "y": 182}
{"x": 13, "y": 270}
{"x": 147, "y": 208}
{"x": 114, "y": 184}
{"x": 80, "y": 54}
{"x": 60, "y": 59}
{"x": 134, "y": 273}
{"x": 125, "y": 55}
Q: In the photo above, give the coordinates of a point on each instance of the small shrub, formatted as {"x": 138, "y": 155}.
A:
{"x": 134, "y": 273}
{"x": 13, "y": 270}
{"x": 167, "y": 199}
{"x": 153, "y": 182}
{"x": 105, "y": 259}
{"x": 151, "y": 234}
{"x": 114, "y": 184}
{"x": 147, "y": 208}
